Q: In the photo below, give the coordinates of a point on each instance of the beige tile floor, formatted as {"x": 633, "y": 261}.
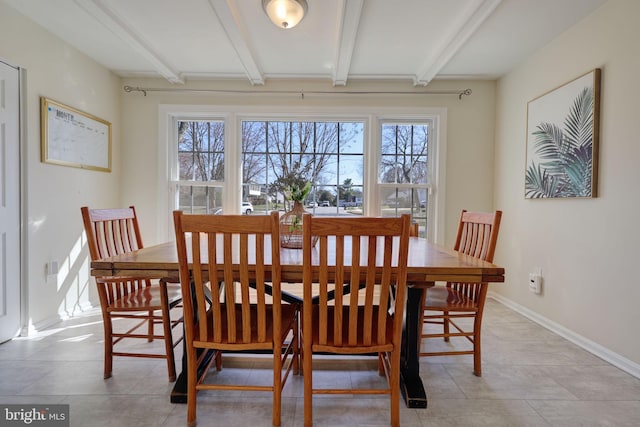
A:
{"x": 531, "y": 377}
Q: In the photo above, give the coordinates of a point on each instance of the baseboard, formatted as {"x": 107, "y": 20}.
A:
{"x": 596, "y": 349}
{"x": 83, "y": 309}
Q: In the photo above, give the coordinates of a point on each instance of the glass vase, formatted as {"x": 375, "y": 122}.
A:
{"x": 291, "y": 227}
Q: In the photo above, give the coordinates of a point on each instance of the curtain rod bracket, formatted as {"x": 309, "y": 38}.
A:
{"x": 466, "y": 92}
{"x": 137, "y": 89}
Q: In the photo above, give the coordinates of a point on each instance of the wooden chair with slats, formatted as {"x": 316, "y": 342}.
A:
{"x": 233, "y": 255}
{"x": 140, "y": 300}
{"x": 366, "y": 315}
{"x": 447, "y": 305}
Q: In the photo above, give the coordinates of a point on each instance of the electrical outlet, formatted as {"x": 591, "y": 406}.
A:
{"x": 535, "y": 283}
{"x": 52, "y": 268}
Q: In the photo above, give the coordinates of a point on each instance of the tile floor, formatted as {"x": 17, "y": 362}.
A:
{"x": 531, "y": 377}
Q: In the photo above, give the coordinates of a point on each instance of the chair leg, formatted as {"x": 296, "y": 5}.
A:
{"x": 108, "y": 346}
{"x": 150, "y": 329}
{"x": 477, "y": 331}
{"x": 394, "y": 384}
{"x": 477, "y": 358}
{"x": 168, "y": 332}
{"x": 218, "y": 357}
{"x": 445, "y": 325}
{"x": 168, "y": 344}
{"x": 277, "y": 388}
{"x": 308, "y": 386}
{"x": 191, "y": 386}
{"x": 296, "y": 347}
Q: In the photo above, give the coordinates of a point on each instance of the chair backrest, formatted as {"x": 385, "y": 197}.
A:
{"x": 414, "y": 230}
{"x": 226, "y": 255}
{"x": 478, "y": 234}
{"x": 366, "y": 258}
{"x": 111, "y": 231}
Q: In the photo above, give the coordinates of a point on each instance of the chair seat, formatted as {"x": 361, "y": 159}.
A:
{"x": 359, "y": 347}
{"x": 147, "y": 298}
{"x": 288, "y": 311}
{"x": 442, "y": 298}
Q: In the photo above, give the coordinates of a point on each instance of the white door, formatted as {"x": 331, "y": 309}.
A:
{"x": 9, "y": 202}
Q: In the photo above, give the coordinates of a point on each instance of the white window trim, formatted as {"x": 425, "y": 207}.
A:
{"x": 436, "y": 157}
{"x": 233, "y": 115}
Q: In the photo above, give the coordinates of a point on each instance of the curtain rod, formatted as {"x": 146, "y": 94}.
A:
{"x": 302, "y": 93}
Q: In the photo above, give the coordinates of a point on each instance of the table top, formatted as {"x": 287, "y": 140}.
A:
{"x": 427, "y": 263}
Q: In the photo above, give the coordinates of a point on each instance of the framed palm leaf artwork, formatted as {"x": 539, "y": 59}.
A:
{"x": 562, "y": 140}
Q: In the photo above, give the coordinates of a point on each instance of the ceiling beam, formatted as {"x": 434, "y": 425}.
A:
{"x": 347, "y": 30}
{"x": 107, "y": 16}
{"x": 470, "y": 22}
{"x": 229, "y": 18}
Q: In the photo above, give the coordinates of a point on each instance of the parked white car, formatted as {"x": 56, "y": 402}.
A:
{"x": 246, "y": 209}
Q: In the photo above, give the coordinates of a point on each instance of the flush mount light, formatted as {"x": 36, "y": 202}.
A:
{"x": 285, "y": 13}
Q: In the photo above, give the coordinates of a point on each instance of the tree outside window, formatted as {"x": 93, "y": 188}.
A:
{"x": 280, "y": 154}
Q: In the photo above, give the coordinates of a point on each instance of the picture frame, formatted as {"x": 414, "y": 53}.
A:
{"x": 71, "y": 137}
{"x": 563, "y": 127}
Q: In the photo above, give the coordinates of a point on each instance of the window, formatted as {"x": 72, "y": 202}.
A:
{"x": 330, "y": 155}
{"x": 366, "y": 162}
{"x": 200, "y": 166}
{"x": 404, "y": 171}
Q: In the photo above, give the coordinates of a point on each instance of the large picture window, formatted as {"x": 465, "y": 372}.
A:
{"x": 241, "y": 159}
{"x": 279, "y": 154}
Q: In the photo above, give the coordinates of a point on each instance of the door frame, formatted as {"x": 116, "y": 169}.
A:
{"x": 22, "y": 139}
{"x": 22, "y": 201}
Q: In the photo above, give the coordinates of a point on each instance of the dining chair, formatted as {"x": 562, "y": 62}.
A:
{"x": 367, "y": 271}
{"x": 449, "y": 305}
{"x": 226, "y": 263}
{"x": 141, "y": 300}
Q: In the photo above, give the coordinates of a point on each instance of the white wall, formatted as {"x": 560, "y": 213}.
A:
{"x": 587, "y": 249}
{"x": 55, "y": 193}
{"x": 470, "y": 131}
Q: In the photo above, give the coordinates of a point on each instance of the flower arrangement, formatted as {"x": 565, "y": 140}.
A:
{"x": 291, "y": 222}
{"x": 296, "y": 193}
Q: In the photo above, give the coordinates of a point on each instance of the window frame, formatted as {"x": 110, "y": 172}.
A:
{"x": 233, "y": 115}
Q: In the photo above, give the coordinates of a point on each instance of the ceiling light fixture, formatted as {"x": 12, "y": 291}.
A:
{"x": 285, "y": 13}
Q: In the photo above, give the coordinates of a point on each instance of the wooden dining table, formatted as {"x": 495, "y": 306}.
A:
{"x": 428, "y": 263}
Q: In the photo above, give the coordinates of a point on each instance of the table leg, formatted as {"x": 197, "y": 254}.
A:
{"x": 179, "y": 391}
{"x": 410, "y": 381}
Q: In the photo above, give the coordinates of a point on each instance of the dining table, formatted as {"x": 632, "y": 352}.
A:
{"x": 428, "y": 263}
